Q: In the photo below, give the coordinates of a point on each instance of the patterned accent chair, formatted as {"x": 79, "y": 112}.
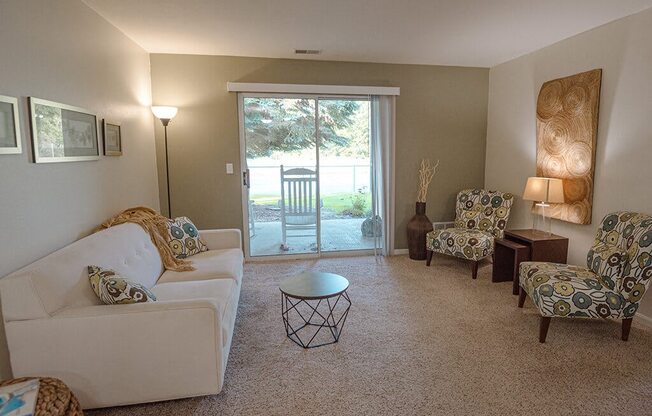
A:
{"x": 619, "y": 267}
{"x": 480, "y": 216}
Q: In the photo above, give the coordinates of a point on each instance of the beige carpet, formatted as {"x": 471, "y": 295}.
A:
{"x": 421, "y": 341}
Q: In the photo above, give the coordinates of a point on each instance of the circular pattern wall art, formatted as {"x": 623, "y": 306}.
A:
{"x": 567, "y": 127}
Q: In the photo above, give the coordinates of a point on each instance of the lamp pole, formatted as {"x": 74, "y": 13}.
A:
{"x": 165, "y": 114}
{"x": 165, "y": 122}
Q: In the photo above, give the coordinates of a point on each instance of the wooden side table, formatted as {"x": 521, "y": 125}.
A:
{"x": 508, "y": 255}
{"x": 540, "y": 245}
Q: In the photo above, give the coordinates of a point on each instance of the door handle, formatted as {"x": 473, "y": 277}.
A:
{"x": 246, "y": 179}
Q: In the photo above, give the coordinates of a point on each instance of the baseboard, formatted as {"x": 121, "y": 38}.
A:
{"x": 643, "y": 321}
{"x": 400, "y": 252}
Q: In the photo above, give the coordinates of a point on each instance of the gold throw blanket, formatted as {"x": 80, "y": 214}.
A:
{"x": 156, "y": 226}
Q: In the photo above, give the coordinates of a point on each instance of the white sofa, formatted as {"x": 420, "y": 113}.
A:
{"x": 114, "y": 355}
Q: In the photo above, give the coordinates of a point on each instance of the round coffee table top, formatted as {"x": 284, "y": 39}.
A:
{"x": 314, "y": 285}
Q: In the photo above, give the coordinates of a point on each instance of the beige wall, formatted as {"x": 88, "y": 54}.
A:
{"x": 65, "y": 52}
{"x": 624, "y": 145}
{"x": 440, "y": 114}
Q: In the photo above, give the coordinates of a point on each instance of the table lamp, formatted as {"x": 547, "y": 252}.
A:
{"x": 543, "y": 191}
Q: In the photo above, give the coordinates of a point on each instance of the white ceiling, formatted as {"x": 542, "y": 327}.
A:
{"x": 480, "y": 33}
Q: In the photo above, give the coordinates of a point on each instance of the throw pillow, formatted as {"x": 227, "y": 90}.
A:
{"x": 607, "y": 261}
{"x": 112, "y": 288}
{"x": 185, "y": 240}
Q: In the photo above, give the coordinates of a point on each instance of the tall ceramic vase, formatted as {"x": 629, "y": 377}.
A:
{"x": 417, "y": 228}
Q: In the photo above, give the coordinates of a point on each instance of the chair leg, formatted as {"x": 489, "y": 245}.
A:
{"x": 429, "y": 257}
{"x": 627, "y": 325}
{"x": 474, "y": 270}
{"x": 522, "y": 294}
{"x": 543, "y": 328}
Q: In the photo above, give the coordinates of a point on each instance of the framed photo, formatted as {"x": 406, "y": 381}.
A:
{"x": 10, "y": 141}
{"x": 62, "y": 133}
{"x": 112, "y": 138}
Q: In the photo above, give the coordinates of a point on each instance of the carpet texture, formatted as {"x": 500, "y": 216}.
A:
{"x": 421, "y": 341}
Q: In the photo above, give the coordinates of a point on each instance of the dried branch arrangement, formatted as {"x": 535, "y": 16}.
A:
{"x": 426, "y": 173}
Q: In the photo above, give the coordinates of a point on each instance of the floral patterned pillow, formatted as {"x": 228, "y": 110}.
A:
{"x": 112, "y": 288}
{"x": 607, "y": 261}
{"x": 185, "y": 240}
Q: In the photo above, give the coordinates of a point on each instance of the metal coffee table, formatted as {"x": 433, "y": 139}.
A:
{"x": 313, "y": 289}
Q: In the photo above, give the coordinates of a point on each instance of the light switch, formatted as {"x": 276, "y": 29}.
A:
{"x": 229, "y": 168}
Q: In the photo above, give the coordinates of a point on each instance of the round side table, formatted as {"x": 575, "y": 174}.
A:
{"x": 308, "y": 291}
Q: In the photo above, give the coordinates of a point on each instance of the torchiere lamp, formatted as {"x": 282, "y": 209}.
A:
{"x": 543, "y": 191}
{"x": 165, "y": 114}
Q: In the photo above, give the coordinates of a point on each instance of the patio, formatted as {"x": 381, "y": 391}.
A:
{"x": 338, "y": 234}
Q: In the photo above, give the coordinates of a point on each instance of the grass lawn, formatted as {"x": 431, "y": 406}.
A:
{"x": 335, "y": 202}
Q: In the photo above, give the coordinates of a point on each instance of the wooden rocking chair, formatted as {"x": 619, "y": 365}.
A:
{"x": 298, "y": 203}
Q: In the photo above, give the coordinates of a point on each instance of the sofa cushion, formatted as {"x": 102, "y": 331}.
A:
{"x": 111, "y": 288}
{"x": 60, "y": 280}
{"x": 224, "y": 292}
{"x": 212, "y": 264}
{"x": 185, "y": 240}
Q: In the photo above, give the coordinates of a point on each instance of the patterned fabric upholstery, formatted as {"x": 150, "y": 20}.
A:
{"x": 483, "y": 210}
{"x": 461, "y": 242}
{"x": 607, "y": 262}
{"x": 113, "y": 289}
{"x": 617, "y": 277}
{"x": 480, "y": 216}
{"x": 185, "y": 240}
{"x": 571, "y": 291}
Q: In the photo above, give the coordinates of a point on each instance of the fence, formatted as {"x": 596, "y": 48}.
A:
{"x": 266, "y": 180}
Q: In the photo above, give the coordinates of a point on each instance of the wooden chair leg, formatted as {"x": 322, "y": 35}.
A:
{"x": 627, "y": 325}
{"x": 522, "y": 294}
{"x": 543, "y": 328}
{"x": 474, "y": 270}
{"x": 429, "y": 257}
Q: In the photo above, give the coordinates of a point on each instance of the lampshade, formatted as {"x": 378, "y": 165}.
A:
{"x": 544, "y": 190}
{"x": 163, "y": 112}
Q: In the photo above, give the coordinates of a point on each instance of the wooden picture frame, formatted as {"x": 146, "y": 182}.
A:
{"x": 112, "y": 138}
{"x": 10, "y": 139}
{"x": 62, "y": 133}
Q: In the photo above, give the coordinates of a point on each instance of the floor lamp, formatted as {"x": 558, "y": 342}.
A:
{"x": 165, "y": 114}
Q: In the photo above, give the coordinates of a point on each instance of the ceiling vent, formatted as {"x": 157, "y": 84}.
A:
{"x": 307, "y": 51}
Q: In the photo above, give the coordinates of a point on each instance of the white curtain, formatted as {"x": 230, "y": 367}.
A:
{"x": 382, "y": 172}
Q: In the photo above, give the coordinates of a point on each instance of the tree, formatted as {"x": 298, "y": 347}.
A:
{"x": 287, "y": 125}
{"x": 358, "y": 135}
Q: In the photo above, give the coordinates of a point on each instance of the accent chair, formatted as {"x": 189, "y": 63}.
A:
{"x": 619, "y": 267}
{"x": 480, "y": 217}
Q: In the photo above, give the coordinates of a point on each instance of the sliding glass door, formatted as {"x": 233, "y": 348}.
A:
{"x": 280, "y": 176}
{"x": 345, "y": 173}
{"x": 307, "y": 170}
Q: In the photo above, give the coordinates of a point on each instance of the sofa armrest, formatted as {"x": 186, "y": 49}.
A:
{"x": 222, "y": 239}
{"x": 152, "y": 351}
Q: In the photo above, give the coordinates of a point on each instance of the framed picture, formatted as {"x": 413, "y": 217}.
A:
{"x": 112, "y": 138}
{"x": 10, "y": 141}
{"x": 62, "y": 133}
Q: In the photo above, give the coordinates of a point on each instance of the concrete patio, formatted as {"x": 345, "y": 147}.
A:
{"x": 337, "y": 235}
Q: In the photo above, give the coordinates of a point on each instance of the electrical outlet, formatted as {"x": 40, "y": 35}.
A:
{"x": 229, "y": 168}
